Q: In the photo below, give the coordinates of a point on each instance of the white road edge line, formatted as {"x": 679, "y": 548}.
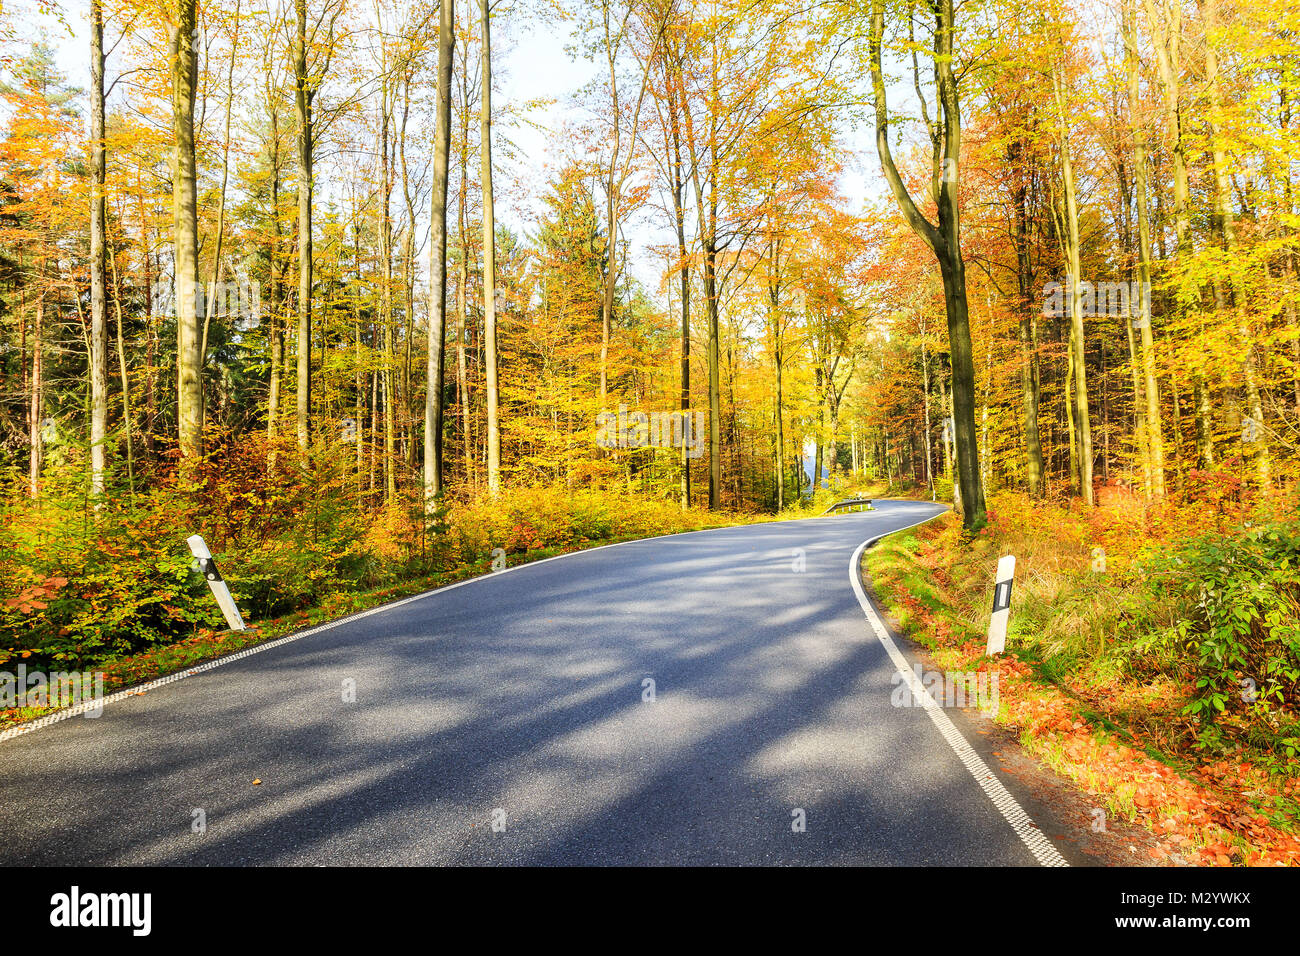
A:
{"x": 1033, "y": 838}
{"x": 139, "y": 689}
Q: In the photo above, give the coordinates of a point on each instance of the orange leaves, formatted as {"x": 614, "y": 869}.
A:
{"x": 37, "y": 597}
{"x": 1207, "y": 819}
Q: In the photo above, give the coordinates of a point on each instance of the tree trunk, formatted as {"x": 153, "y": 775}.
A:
{"x": 1082, "y": 421}
{"x": 98, "y": 299}
{"x": 275, "y": 329}
{"x": 303, "y": 96}
{"x": 943, "y": 238}
{"x": 925, "y": 405}
{"x": 1166, "y": 40}
{"x": 1028, "y": 328}
{"x": 1225, "y": 226}
{"x": 715, "y": 392}
{"x": 489, "y": 262}
{"x": 36, "y": 403}
{"x": 386, "y": 301}
{"x": 217, "y": 271}
{"x": 1141, "y": 310}
{"x": 462, "y": 316}
{"x": 679, "y": 215}
{"x": 185, "y": 231}
{"x": 778, "y": 361}
{"x": 127, "y": 418}
{"x": 438, "y": 260}
{"x": 359, "y": 374}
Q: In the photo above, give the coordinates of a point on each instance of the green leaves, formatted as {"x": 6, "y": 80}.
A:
{"x": 88, "y": 590}
{"x": 1241, "y": 619}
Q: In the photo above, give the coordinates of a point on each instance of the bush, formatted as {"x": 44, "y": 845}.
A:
{"x": 83, "y": 586}
{"x": 1237, "y": 603}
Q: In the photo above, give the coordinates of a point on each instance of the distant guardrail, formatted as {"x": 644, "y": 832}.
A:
{"x": 850, "y": 504}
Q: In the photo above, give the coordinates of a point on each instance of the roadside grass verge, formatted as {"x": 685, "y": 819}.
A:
{"x": 1133, "y": 641}
{"x": 476, "y": 528}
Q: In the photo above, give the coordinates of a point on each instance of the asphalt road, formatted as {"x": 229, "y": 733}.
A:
{"x": 525, "y": 692}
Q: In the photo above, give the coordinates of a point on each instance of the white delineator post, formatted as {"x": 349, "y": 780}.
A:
{"x": 1001, "y": 604}
{"x": 208, "y": 568}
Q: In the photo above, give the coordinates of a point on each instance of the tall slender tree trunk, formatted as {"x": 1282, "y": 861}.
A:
{"x": 715, "y": 392}
{"x": 945, "y": 402}
{"x": 1141, "y": 445}
{"x": 128, "y": 424}
{"x": 373, "y": 461}
{"x": 684, "y": 277}
{"x": 609, "y": 280}
{"x": 774, "y": 284}
{"x": 706, "y": 200}
{"x": 1082, "y": 420}
{"x": 1028, "y": 326}
{"x": 1225, "y": 226}
{"x": 386, "y": 302}
{"x": 36, "y": 400}
{"x": 275, "y": 327}
{"x": 614, "y": 179}
{"x": 1166, "y": 36}
{"x": 1139, "y": 408}
{"x": 217, "y": 272}
{"x": 1071, "y": 410}
{"x": 1141, "y": 310}
{"x": 985, "y": 452}
{"x": 687, "y": 419}
{"x": 359, "y": 375}
{"x": 151, "y": 322}
{"x": 462, "y": 317}
{"x": 778, "y": 362}
{"x": 438, "y": 261}
{"x": 303, "y": 96}
{"x": 1289, "y": 262}
{"x": 185, "y": 231}
{"x": 925, "y": 405}
{"x": 98, "y": 299}
{"x": 489, "y": 262}
{"x": 407, "y": 423}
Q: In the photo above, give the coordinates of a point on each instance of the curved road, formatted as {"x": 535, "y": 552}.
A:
{"x": 526, "y": 692}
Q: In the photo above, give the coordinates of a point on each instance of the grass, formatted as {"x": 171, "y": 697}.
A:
{"x": 1086, "y": 700}
{"x": 208, "y": 645}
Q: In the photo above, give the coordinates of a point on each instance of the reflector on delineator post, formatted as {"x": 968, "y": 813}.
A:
{"x": 1001, "y": 604}
{"x": 207, "y": 566}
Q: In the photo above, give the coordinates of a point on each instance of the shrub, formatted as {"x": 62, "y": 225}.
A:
{"x": 1237, "y": 603}
{"x": 84, "y": 586}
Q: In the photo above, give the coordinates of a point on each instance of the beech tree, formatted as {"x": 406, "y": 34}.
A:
{"x": 184, "y": 57}
{"x": 944, "y": 235}
{"x": 696, "y": 242}
{"x": 438, "y": 255}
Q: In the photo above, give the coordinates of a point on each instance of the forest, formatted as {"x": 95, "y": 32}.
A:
{"x": 365, "y": 295}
